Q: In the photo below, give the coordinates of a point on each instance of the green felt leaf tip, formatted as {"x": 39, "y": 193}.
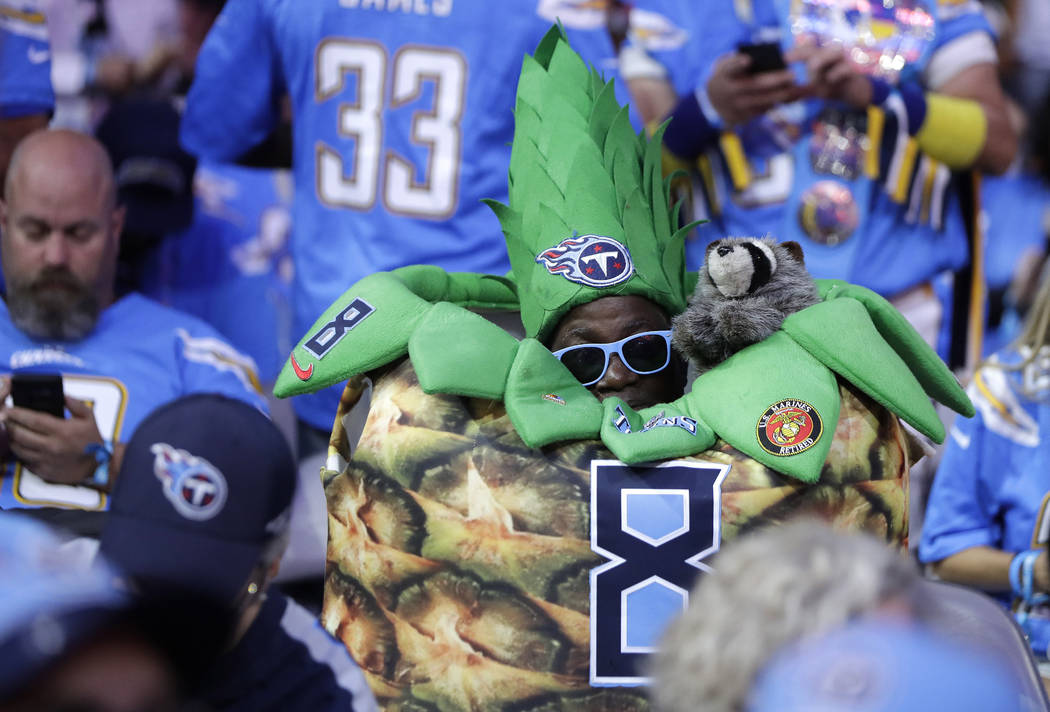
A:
{"x": 621, "y": 137}
{"x": 532, "y": 82}
{"x": 572, "y": 72}
{"x": 638, "y": 221}
{"x": 368, "y": 326}
{"x": 588, "y": 175}
{"x": 840, "y": 334}
{"x": 602, "y": 114}
{"x": 546, "y": 402}
{"x": 652, "y": 168}
{"x": 936, "y": 378}
{"x": 475, "y": 363}
{"x": 545, "y": 49}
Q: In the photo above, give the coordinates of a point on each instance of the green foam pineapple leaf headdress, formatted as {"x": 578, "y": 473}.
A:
{"x": 588, "y": 218}
{"x": 589, "y": 213}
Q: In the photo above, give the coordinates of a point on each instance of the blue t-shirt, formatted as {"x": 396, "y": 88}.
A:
{"x": 1016, "y": 207}
{"x": 403, "y": 118}
{"x": 808, "y": 181}
{"x": 25, "y": 63}
{"x": 995, "y": 475}
{"x": 287, "y": 662}
{"x": 231, "y": 267}
{"x": 139, "y": 356}
{"x": 25, "y": 59}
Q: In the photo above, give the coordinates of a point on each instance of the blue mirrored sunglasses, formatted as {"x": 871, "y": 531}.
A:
{"x": 645, "y": 353}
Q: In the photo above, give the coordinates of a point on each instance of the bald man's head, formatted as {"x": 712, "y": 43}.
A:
{"x": 61, "y": 231}
{"x": 85, "y": 158}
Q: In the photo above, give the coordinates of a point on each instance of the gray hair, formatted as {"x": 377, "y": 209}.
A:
{"x": 770, "y": 588}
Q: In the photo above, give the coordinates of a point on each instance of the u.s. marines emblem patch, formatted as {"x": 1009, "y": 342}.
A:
{"x": 789, "y": 427}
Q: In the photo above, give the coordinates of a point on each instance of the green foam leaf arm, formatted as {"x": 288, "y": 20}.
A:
{"x": 458, "y": 352}
{"x": 840, "y": 334}
{"x": 736, "y": 397}
{"x": 936, "y": 378}
{"x": 367, "y": 327}
{"x": 545, "y": 402}
{"x": 657, "y": 433}
{"x": 465, "y": 289}
{"x": 348, "y": 340}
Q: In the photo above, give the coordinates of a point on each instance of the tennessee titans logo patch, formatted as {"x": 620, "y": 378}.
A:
{"x": 589, "y": 259}
{"x": 193, "y": 485}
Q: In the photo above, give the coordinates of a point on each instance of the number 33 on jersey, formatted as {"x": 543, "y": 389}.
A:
{"x": 403, "y": 114}
{"x": 430, "y": 82}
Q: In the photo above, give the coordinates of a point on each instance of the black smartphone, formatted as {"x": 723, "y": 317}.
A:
{"x": 765, "y": 56}
{"x": 39, "y": 391}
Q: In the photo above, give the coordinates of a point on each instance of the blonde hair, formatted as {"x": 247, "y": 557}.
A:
{"x": 1035, "y": 332}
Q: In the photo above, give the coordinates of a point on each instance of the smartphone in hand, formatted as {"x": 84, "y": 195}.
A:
{"x": 765, "y": 56}
{"x": 39, "y": 391}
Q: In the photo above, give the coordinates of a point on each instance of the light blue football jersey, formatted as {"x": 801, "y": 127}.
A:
{"x": 232, "y": 267}
{"x": 25, "y": 56}
{"x": 807, "y": 175}
{"x": 25, "y": 63}
{"x": 403, "y": 118}
{"x": 992, "y": 484}
{"x": 140, "y": 356}
{"x": 1017, "y": 207}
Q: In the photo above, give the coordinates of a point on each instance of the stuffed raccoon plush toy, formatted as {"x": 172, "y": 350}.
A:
{"x": 747, "y": 286}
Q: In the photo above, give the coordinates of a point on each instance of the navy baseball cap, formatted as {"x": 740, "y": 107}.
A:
{"x": 51, "y": 601}
{"x": 206, "y": 483}
{"x": 882, "y": 666}
{"x": 154, "y": 174}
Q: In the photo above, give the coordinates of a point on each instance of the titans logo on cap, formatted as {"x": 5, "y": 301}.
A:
{"x": 193, "y": 485}
{"x": 589, "y": 259}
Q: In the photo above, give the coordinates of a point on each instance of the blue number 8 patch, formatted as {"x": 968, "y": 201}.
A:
{"x": 655, "y": 524}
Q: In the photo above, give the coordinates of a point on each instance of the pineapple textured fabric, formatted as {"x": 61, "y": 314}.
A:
{"x": 460, "y": 561}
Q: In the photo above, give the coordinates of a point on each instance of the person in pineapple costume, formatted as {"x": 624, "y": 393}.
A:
{"x": 500, "y": 538}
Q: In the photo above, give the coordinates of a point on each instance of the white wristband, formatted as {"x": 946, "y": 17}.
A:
{"x": 635, "y": 63}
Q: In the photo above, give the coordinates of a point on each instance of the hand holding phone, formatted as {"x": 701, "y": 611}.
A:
{"x": 39, "y": 391}
{"x": 764, "y": 56}
{"x": 52, "y": 445}
{"x": 749, "y": 82}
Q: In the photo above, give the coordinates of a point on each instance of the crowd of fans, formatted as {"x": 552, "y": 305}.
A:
{"x": 188, "y": 185}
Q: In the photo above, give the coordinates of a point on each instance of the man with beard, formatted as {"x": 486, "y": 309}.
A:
{"x": 119, "y": 358}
